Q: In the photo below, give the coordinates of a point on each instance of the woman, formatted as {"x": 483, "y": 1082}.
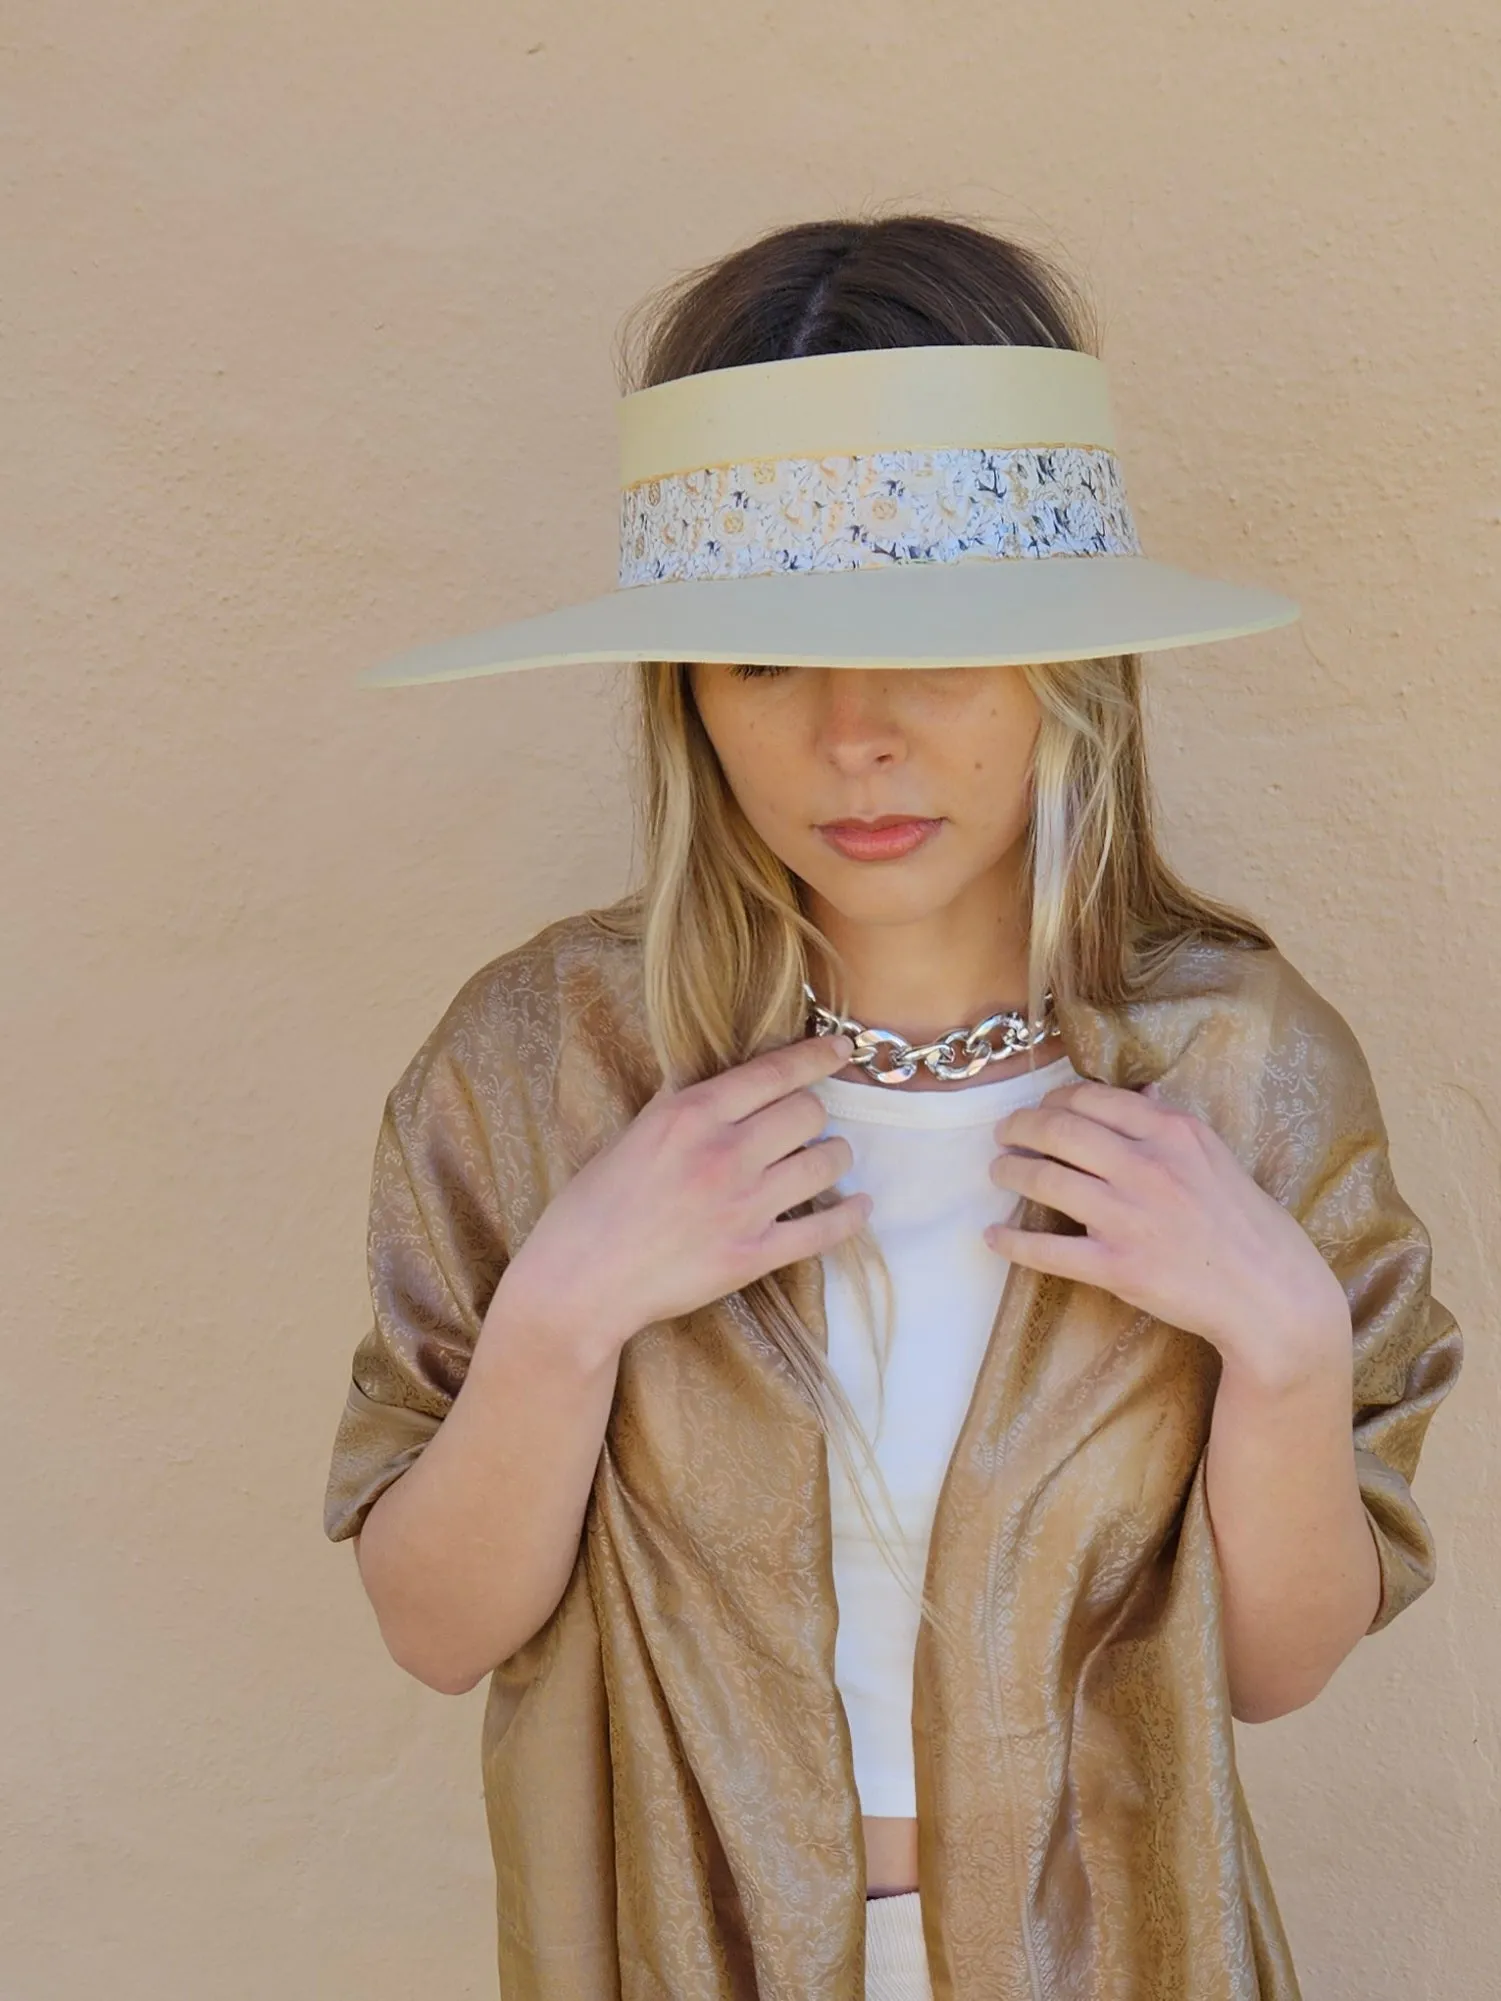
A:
{"x": 1140, "y": 1446}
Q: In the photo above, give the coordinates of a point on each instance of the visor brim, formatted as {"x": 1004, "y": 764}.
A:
{"x": 973, "y": 613}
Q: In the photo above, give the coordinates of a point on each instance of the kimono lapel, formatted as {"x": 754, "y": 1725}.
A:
{"x": 966, "y": 1713}
{"x": 741, "y": 1871}
{"x": 1071, "y": 1549}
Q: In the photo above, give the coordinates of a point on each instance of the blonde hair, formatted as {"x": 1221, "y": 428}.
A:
{"x": 726, "y": 942}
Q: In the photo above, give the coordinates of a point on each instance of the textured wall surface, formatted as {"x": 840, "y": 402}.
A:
{"x": 308, "y": 324}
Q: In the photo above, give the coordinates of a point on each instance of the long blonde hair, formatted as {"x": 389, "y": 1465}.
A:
{"x": 726, "y": 941}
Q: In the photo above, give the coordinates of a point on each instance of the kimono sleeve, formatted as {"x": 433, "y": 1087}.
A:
{"x": 436, "y": 1250}
{"x": 1408, "y": 1347}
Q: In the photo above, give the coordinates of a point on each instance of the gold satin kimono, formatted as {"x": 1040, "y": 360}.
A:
{"x": 667, "y": 1768}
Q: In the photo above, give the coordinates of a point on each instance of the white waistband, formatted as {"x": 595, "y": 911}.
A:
{"x": 896, "y": 1960}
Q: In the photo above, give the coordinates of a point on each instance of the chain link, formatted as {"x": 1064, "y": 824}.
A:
{"x": 942, "y": 1057}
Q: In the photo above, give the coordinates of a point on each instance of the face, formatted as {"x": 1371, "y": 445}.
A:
{"x": 804, "y": 745}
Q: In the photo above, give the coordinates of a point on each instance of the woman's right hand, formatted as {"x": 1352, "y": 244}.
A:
{"x": 682, "y": 1207}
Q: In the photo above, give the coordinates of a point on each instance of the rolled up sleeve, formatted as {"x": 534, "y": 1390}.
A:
{"x": 1333, "y": 1164}
{"x": 436, "y": 1250}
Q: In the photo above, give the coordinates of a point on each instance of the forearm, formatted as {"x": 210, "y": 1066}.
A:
{"x": 1300, "y": 1575}
{"x": 468, "y": 1553}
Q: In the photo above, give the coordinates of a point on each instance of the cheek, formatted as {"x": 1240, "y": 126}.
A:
{"x": 993, "y": 796}
{"x": 762, "y": 773}
{"x": 997, "y": 734}
{"x": 765, "y": 782}
{"x": 760, "y": 757}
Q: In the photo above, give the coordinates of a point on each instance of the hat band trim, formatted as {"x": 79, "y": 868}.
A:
{"x": 869, "y": 510}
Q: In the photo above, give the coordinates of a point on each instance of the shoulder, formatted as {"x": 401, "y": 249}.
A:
{"x": 1302, "y": 1107}
{"x": 519, "y": 1018}
{"x": 532, "y": 987}
{"x": 1244, "y": 1038}
{"x": 1311, "y": 1054}
{"x": 1317, "y": 1086}
{"x": 1270, "y": 1001}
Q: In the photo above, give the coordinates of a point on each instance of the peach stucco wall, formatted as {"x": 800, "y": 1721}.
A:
{"x": 307, "y": 327}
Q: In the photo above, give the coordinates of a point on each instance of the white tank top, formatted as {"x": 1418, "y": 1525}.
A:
{"x": 924, "y": 1156}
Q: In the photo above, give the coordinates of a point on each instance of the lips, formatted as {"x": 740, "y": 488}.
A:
{"x": 892, "y": 835}
{"x": 870, "y": 826}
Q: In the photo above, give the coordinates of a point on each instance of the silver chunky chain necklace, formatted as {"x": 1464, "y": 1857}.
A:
{"x": 979, "y": 1044}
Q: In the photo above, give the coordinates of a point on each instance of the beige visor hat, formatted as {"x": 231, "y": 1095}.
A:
{"x": 953, "y": 506}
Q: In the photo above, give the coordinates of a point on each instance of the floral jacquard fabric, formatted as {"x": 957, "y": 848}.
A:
{"x": 854, "y": 511}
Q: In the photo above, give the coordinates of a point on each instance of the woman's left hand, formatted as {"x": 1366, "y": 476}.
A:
{"x": 1176, "y": 1227}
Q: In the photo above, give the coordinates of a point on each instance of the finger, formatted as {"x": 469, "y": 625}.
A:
{"x": 1085, "y": 1197}
{"x": 748, "y": 1087}
{"x": 1079, "y": 1258}
{"x": 1123, "y": 1111}
{"x": 1069, "y": 1135}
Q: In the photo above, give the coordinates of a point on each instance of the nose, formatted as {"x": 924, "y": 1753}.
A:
{"x": 856, "y": 709}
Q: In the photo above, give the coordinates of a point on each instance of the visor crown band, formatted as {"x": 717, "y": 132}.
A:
{"x": 868, "y": 510}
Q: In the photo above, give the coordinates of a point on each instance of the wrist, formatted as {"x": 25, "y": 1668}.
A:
{"x": 1297, "y": 1368}
{"x": 1292, "y": 1346}
{"x": 524, "y": 1315}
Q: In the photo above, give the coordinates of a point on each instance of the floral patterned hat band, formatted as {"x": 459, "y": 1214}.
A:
{"x": 891, "y": 507}
{"x": 849, "y": 461}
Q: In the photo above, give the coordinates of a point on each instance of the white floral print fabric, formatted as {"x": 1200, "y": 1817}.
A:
{"x": 854, "y": 511}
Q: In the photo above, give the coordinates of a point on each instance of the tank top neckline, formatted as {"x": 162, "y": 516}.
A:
{"x": 971, "y": 1104}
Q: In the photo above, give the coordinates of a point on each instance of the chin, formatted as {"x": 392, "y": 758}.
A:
{"x": 878, "y": 893}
